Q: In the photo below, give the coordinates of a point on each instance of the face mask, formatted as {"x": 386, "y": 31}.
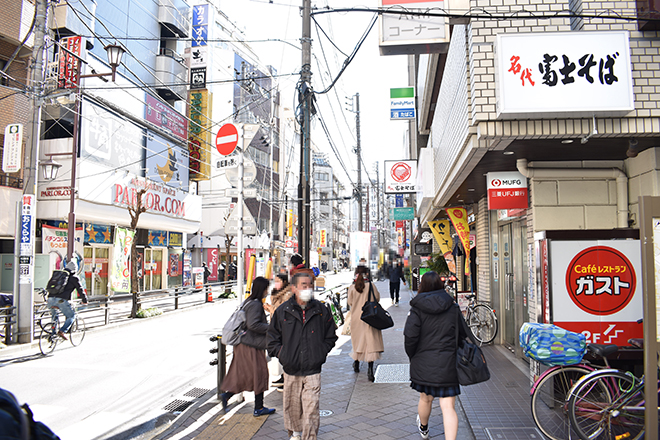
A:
{"x": 305, "y": 295}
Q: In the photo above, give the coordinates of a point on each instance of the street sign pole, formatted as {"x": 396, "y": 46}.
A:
{"x": 239, "y": 251}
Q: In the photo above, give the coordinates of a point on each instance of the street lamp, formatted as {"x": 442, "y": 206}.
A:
{"x": 50, "y": 167}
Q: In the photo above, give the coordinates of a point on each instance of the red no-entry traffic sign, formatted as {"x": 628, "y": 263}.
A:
{"x": 226, "y": 139}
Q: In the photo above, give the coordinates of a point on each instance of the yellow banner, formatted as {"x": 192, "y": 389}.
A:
{"x": 289, "y": 222}
{"x": 199, "y": 134}
{"x": 323, "y": 239}
{"x": 441, "y": 232}
{"x": 458, "y": 217}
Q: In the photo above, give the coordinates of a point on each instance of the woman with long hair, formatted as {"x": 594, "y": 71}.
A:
{"x": 430, "y": 343}
{"x": 248, "y": 370}
{"x": 281, "y": 293}
{"x": 367, "y": 341}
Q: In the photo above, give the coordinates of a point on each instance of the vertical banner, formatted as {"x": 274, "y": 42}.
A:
{"x": 199, "y": 134}
{"x": 69, "y": 65}
{"x": 442, "y": 234}
{"x": 26, "y": 263}
{"x": 289, "y": 222}
{"x": 13, "y": 148}
{"x": 212, "y": 260}
{"x": 323, "y": 238}
{"x": 458, "y": 217}
{"x": 120, "y": 277}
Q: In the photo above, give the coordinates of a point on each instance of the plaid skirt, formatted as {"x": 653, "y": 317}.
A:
{"x": 436, "y": 391}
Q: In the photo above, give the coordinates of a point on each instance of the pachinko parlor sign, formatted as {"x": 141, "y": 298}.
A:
{"x": 597, "y": 289}
{"x": 157, "y": 199}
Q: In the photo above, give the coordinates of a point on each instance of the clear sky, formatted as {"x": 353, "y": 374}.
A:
{"x": 369, "y": 74}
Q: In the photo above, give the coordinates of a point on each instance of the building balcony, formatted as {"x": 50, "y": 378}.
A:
{"x": 64, "y": 19}
{"x": 172, "y": 76}
{"x": 175, "y": 20}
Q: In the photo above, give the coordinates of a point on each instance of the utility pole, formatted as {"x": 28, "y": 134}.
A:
{"x": 358, "y": 151}
{"x": 378, "y": 224}
{"x": 24, "y": 283}
{"x": 306, "y": 92}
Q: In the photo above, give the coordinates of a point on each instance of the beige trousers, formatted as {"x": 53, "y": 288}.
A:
{"x": 301, "y": 405}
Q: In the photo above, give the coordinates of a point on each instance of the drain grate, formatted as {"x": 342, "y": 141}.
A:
{"x": 196, "y": 392}
{"x": 514, "y": 434}
{"x": 178, "y": 405}
{"x": 392, "y": 373}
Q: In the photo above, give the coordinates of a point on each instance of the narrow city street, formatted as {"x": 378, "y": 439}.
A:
{"x": 125, "y": 380}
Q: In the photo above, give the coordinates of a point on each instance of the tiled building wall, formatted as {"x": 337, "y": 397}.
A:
{"x": 483, "y": 251}
{"x": 450, "y": 126}
{"x": 645, "y": 48}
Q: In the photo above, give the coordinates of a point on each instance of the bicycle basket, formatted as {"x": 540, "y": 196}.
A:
{"x": 552, "y": 345}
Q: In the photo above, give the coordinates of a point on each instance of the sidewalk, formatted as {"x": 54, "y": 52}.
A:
{"x": 354, "y": 408}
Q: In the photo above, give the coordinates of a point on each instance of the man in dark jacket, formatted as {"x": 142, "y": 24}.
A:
{"x": 395, "y": 274}
{"x": 61, "y": 300}
{"x": 301, "y": 334}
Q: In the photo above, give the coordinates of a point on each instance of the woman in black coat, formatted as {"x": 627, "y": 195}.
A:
{"x": 248, "y": 370}
{"x": 430, "y": 342}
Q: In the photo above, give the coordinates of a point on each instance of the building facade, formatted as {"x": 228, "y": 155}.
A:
{"x": 570, "y": 105}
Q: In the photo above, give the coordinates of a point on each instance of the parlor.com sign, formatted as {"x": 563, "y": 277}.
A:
{"x": 158, "y": 198}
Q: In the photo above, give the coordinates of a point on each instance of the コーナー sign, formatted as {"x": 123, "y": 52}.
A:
{"x": 601, "y": 280}
{"x": 595, "y": 289}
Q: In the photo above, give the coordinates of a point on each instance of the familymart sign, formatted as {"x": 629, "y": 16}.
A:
{"x": 402, "y": 103}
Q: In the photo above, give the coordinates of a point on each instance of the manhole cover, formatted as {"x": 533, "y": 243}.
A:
{"x": 392, "y": 373}
{"x": 196, "y": 392}
{"x": 178, "y": 405}
{"x": 325, "y": 413}
{"x": 514, "y": 434}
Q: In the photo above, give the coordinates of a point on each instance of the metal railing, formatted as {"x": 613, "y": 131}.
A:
{"x": 104, "y": 310}
{"x": 7, "y": 320}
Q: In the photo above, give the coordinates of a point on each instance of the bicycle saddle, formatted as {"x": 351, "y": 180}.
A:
{"x": 469, "y": 297}
{"x": 603, "y": 350}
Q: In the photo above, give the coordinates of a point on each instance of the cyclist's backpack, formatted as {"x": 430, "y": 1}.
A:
{"x": 57, "y": 282}
{"x": 17, "y": 422}
{"x": 234, "y": 328}
{"x": 552, "y": 345}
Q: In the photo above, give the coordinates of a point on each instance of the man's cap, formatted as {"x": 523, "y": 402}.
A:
{"x": 71, "y": 266}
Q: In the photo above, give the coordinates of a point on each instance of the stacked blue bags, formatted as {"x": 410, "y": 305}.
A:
{"x": 552, "y": 345}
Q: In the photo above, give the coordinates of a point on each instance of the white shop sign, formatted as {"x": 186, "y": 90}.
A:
{"x": 555, "y": 73}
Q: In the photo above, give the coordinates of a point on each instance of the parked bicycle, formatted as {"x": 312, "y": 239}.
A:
{"x": 608, "y": 405}
{"x": 48, "y": 337}
{"x": 482, "y": 320}
{"x": 333, "y": 303}
{"x": 551, "y": 390}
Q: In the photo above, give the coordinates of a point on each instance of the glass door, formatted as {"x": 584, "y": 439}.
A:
{"x": 507, "y": 287}
{"x": 514, "y": 281}
{"x": 96, "y": 270}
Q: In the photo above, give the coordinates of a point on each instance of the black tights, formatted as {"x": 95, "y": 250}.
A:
{"x": 258, "y": 400}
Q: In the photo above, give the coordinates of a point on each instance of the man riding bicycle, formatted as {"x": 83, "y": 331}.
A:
{"x": 61, "y": 300}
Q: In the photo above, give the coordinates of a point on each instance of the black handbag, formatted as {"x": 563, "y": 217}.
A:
{"x": 470, "y": 361}
{"x": 374, "y": 315}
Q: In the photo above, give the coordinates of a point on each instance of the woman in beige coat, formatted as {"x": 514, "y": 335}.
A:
{"x": 367, "y": 341}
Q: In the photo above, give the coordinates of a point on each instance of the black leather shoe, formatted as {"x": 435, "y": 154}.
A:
{"x": 370, "y": 372}
{"x": 224, "y": 399}
{"x": 356, "y": 366}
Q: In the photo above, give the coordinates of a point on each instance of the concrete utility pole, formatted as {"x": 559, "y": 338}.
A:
{"x": 24, "y": 283}
{"x": 306, "y": 92}
{"x": 358, "y": 151}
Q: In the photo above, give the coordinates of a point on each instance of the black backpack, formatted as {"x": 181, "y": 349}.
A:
{"x": 57, "y": 282}
{"x": 17, "y": 422}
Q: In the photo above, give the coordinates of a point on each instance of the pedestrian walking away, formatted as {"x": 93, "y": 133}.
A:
{"x": 248, "y": 370}
{"x": 395, "y": 274}
{"x": 60, "y": 300}
{"x": 301, "y": 334}
{"x": 366, "y": 340}
{"x": 430, "y": 343}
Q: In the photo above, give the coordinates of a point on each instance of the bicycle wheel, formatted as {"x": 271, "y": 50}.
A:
{"x": 77, "y": 331}
{"x": 549, "y": 409}
{"x": 48, "y": 338}
{"x": 483, "y": 323}
{"x": 609, "y": 405}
